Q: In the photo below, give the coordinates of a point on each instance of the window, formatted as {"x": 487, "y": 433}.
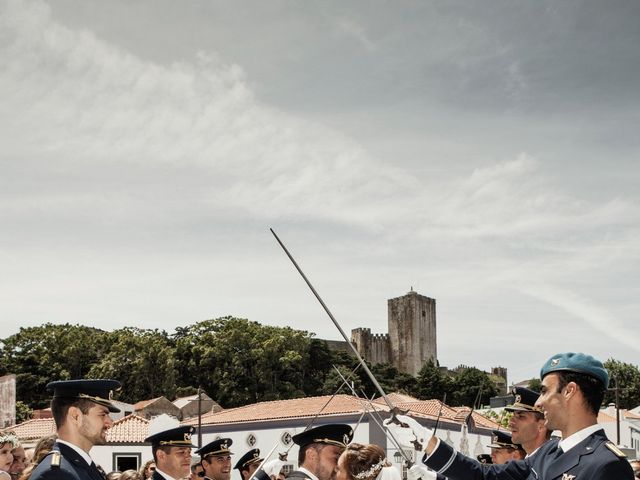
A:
{"x": 126, "y": 461}
{"x": 286, "y": 438}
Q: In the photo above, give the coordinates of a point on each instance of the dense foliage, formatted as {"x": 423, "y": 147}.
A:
{"x": 234, "y": 360}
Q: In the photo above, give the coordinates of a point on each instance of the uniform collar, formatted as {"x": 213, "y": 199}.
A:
{"x": 164, "y": 475}
{"x": 572, "y": 440}
{"x": 77, "y": 449}
{"x": 311, "y": 475}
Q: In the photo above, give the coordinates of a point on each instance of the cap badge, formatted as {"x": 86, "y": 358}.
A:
{"x": 518, "y": 398}
{"x": 224, "y": 445}
{"x": 345, "y": 439}
{"x": 555, "y": 362}
{"x": 187, "y": 437}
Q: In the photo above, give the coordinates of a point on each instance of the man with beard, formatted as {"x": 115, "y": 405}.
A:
{"x": 527, "y": 423}
{"x": 216, "y": 459}
{"x": 171, "y": 451}
{"x": 573, "y": 388}
{"x": 80, "y": 409}
{"x": 320, "y": 449}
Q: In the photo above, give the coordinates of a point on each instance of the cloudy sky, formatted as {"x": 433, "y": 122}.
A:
{"x": 485, "y": 154}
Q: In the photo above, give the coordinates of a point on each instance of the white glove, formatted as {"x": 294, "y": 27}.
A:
{"x": 418, "y": 472}
{"x": 273, "y": 467}
{"x": 409, "y": 431}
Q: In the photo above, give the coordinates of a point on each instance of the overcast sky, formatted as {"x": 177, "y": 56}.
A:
{"x": 486, "y": 154}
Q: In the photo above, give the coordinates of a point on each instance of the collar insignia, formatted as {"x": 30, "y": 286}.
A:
{"x": 566, "y": 476}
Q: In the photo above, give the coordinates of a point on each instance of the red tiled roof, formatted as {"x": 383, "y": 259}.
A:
{"x": 433, "y": 408}
{"x": 34, "y": 429}
{"x": 144, "y": 403}
{"x": 630, "y": 414}
{"x": 129, "y": 429}
{"x": 293, "y": 408}
{"x": 605, "y": 418}
{"x": 478, "y": 420}
{"x": 396, "y": 398}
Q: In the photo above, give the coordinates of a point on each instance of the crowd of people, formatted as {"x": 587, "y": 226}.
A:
{"x": 573, "y": 387}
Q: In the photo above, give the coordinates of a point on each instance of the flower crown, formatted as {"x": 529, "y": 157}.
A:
{"x": 9, "y": 437}
{"x": 373, "y": 470}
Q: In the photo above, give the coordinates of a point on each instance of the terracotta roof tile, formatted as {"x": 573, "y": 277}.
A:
{"x": 478, "y": 420}
{"x": 129, "y": 429}
{"x": 144, "y": 403}
{"x": 605, "y": 418}
{"x": 293, "y": 408}
{"x": 34, "y": 429}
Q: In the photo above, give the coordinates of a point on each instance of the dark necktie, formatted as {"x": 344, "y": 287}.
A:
{"x": 559, "y": 452}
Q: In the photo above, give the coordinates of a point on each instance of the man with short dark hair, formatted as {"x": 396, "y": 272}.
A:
{"x": 80, "y": 409}
{"x": 197, "y": 470}
{"x": 320, "y": 449}
{"x": 216, "y": 459}
{"x": 573, "y": 387}
{"x": 171, "y": 450}
{"x": 527, "y": 422}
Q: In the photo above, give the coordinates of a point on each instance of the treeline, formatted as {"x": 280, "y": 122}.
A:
{"x": 234, "y": 360}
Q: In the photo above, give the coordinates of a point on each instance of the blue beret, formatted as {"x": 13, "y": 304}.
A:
{"x": 576, "y": 362}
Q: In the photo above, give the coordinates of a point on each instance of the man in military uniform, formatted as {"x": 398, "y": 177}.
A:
{"x": 527, "y": 423}
{"x": 249, "y": 463}
{"x": 503, "y": 449}
{"x": 320, "y": 449}
{"x": 80, "y": 409}
{"x": 171, "y": 450}
{"x": 197, "y": 471}
{"x": 216, "y": 459}
{"x": 573, "y": 387}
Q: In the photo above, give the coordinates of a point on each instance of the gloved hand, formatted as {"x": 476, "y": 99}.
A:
{"x": 273, "y": 467}
{"x": 409, "y": 430}
{"x": 419, "y": 472}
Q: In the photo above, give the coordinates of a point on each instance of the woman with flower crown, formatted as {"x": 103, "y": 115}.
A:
{"x": 365, "y": 462}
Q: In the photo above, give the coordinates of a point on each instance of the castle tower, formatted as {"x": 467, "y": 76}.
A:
{"x": 412, "y": 331}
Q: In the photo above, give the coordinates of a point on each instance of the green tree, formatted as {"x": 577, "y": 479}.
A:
{"x": 535, "y": 384}
{"x": 23, "y": 412}
{"x": 238, "y": 361}
{"x": 431, "y": 382}
{"x": 466, "y": 384}
{"x": 39, "y": 355}
{"x": 627, "y": 377}
{"x": 142, "y": 360}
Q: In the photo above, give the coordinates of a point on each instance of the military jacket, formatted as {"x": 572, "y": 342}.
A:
{"x": 595, "y": 458}
{"x": 297, "y": 475}
{"x": 64, "y": 463}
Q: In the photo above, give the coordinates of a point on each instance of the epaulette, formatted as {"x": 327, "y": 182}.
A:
{"x": 616, "y": 451}
{"x": 56, "y": 457}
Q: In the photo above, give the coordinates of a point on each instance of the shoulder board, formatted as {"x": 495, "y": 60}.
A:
{"x": 616, "y": 451}
{"x": 56, "y": 458}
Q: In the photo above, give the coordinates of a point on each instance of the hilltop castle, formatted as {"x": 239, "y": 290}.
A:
{"x": 411, "y": 340}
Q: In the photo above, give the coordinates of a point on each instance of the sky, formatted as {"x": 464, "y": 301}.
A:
{"x": 485, "y": 154}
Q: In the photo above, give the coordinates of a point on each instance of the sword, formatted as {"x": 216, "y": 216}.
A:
{"x": 335, "y": 322}
{"x": 388, "y": 433}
